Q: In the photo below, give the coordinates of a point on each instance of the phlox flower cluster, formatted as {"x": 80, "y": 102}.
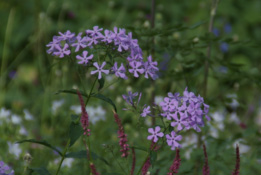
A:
{"x": 83, "y": 46}
{"x": 5, "y": 169}
{"x": 184, "y": 112}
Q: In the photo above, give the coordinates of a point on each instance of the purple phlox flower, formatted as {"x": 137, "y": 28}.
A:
{"x": 131, "y": 42}
{"x": 66, "y": 35}
{"x": 152, "y": 64}
{"x": 168, "y": 114}
{"x": 215, "y": 31}
{"x": 139, "y": 98}
{"x": 5, "y": 169}
{"x": 133, "y": 57}
{"x": 53, "y": 44}
{"x": 81, "y": 43}
{"x": 227, "y": 28}
{"x": 62, "y": 51}
{"x": 189, "y": 96}
{"x": 172, "y": 140}
{"x": 150, "y": 71}
{"x": 136, "y": 68}
{"x": 95, "y": 32}
{"x": 224, "y": 47}
{"x": 146, "y": 111}
{"x": 169, "y": 104}
{"x": 121, "y": 45}
{"x": 107, "y": 37}
{"x": 179, "y": 121}
{"x": 155, "y": 134}
{"x": 118, "y": 35}
{"x": 205, "y": 111}
{"x": 119, "y": 72}
{"x": 84, "y": 58}
{"x": 137, "y": 51}
{"x": 100, "y": 69}
{"x": 175, "y": 96}
{"x": 130, "y": 97}
{"x": 92, "y": 41}
{"x": 195, "y": 112}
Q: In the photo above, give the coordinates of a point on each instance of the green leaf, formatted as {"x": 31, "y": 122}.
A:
{"x": 106, "y": 99}
{"x": 99, "y": 96}
{"x": 101, "y": 83}
{"x": 74, "y": 118}
{"x": 95, "y": 156}
{"x": 197, "y": 24}
{"x": 153, "y": 157}
{"x": 78, "y": 155}
{"x": 142, "y": 148}
{"x": 44, "y": 143}
{"x": 75, "y": 132}
{"x": 72, "y": 91}
{"x": 41, "y": 171}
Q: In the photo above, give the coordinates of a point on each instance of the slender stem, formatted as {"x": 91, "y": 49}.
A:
{"x": 210, "y": 28}
{"x": 118, "y": 162}
{"x": 152, "y": 25}
{"x": 63, "y": 156}
{"x": 89, "y": 96}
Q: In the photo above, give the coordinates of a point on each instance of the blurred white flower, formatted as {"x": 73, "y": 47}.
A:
{"x": 28, "y": 115}
{"x": 95, "y": 113}
{"x": 243, "y": 148}
{"x": 158, "y": 99}
{"x": 234, "y": 118}
{"x": 4, "y": 113}
{"x": 57, "y": 104}
{"x": 68, "y": 162}
{"x": 218, "y": 116}
{"x": 76, "y": 109}
{"x": 23, "y": 131}
{"x": 14, "y": 149}
{"x": 16, "y": 119}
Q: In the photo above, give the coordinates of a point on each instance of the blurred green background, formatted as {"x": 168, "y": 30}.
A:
{"x": 29, "y": 79}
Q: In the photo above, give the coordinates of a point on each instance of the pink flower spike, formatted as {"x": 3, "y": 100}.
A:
{"x": 99, "y": 69}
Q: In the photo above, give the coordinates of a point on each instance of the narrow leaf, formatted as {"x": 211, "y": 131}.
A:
{"x": 75, "y": 132}
{"x": 78, "y": 155}
{"x": 101, "y": 83}
{"x": 72, "y": 91}
{"x": 106, "y": 99}
{"x": 44, "y": 143}
{"x": 41, "y": 171}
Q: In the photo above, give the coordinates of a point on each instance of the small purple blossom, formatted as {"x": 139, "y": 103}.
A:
{"x": 100, "y": 69}
{"x": 146, "y": 111}
{"x": 84, "y": 59}
{"x": 119, "y": 72}
{"x": 81, "y": 43}
{"x": 95, "y": 32}
{"x": 172, "y": 140}
{"x": 62, "y": 51}
{"x": 66, "y": 35}
{"x": 136, "y": 68}
{"x": 155, "y": 134}
{"x": 130, "y": 97}
{"x": 5, "y": 169}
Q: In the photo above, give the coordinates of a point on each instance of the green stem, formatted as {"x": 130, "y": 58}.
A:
{"x": 63, "y": 156}
{"x": 118, "y": 162}
{"x": 89, "y": 96}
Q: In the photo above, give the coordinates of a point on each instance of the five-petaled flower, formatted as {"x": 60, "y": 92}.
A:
{"x": 84, "y": 58}
{"x": 172, "y": 139}
{"x": 62, "y": 51}
{"x": 145, "y": 111}
{"x": 155, "y": 134}
{"x": 99, "y": 69}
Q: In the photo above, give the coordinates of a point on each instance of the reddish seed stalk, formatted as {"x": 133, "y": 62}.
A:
{"x": 84, "y": 117}
{"x": 146, "y": 166}
{"x": 133, "y": 161}
{"x": 205, "y": 167}
{"x": 93, "y": 169}
{"x": 176, "y": 164}
{"x": 123, "y": 137}
{"x": 237, "y": 167}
